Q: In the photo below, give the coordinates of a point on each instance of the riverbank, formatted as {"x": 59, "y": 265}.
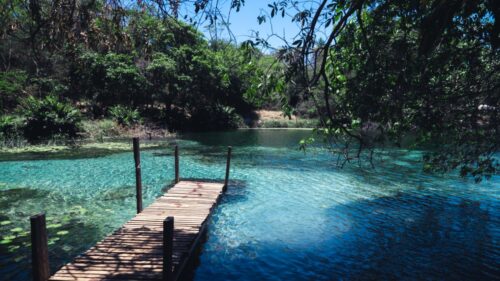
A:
{"x": 97, "y": 130}
{"x": 105, "y": 136}
{"x": 76, "y": 150}
{"x": 276, "y": 119}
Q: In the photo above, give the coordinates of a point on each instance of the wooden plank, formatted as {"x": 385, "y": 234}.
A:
{"x": 136, "y": 250}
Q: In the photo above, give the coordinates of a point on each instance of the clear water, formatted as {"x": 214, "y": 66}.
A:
{"x": 286, "y": 216}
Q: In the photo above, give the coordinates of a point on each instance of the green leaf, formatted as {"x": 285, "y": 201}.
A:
{"x": 14, "y": 248}
{"x": 5, "y": 241}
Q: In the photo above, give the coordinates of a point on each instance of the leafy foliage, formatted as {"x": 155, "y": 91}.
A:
{"x": 12, "y": 84}
{"x": 217, "y": 118}
{"x": 125, "y": 116}
{"x": 109, "y": 79}
{"x": 108, "y": 57}
{"x": 50, "y": 118}
{"x": 9, "y": 127}
{"x": 398, "y": 73}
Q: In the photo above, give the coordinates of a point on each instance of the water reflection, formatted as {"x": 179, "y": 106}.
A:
{"x": 250, "y": 137}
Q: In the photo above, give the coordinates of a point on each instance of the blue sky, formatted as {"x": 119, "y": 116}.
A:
{"x": 244, "y": 24}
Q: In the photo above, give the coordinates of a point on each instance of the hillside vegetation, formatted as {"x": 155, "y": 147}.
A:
{"x": 124, "y": 65}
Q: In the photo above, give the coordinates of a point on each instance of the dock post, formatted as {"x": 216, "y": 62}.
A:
{"x": 138, "y": 179}
{"x": 39, "y": 248}
{"x": 176, "y": 156}
{"x": 228, "y": 164}
{"x": 168, "y": 244}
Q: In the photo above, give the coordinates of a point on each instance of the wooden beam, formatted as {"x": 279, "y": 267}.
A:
{"x": 228, "y": 164}
{"x": 39, "y": 248}
{"x": 138, "y": 179}
{"x": 168, "y": 245}
{"x": 176, "y": 156}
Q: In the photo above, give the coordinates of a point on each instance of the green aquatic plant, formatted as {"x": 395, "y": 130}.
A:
{"x": 86, "y": 150}
{"x": 17, "y": 229}
{"x": 54, "y": 225}
{"x": 78, "y": 210}
{"x": 53, "y": 240}
{"x": 5, "y": 241}
{"x": 13, "y": 248}
{"x": 62, "y": 232}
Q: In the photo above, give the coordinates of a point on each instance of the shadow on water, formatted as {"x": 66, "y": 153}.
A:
{"x": 236, "y": 192}
{"x": 16, "y": 196}
{"x": 249, "y": 137}
{"x": 403, "y": 237}
{"x": 120, "y": 193}
{"x": 69, "y": 230}
{"x": 411, "y": 236}
{"x": 15, "y": 257}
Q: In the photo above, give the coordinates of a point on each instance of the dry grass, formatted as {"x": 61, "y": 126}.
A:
{"x": 101, "y": 129}
{"x": 276, "y": 119}
{"x": 266, "y": 115}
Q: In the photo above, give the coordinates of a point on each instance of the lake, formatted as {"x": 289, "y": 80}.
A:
{"x": 288, "y": 215}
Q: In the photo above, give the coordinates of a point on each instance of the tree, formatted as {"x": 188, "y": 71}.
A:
{"x": 386, "y": 71}
{"x": 135, "y": 56}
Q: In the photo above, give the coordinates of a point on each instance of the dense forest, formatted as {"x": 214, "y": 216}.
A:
{"x": 373, "y": 73}
{"x": 66, "y": 61}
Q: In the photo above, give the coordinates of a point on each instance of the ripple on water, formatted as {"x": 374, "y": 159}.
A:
{"x": 286, "y": 216}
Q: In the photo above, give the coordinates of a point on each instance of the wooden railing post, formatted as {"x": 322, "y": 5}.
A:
{"x": 39, "y": 248}
{"x": 176, "y": 156}
{"x": 168, "y": 243}
{"x": 138, "y": 179}
{"x": 228, "y": 165}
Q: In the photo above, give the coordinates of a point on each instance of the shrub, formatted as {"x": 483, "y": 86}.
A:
{"x": 50, "y": 118}
{"x": 108, "y": 80}
{"x": 217, "y": 118}
{"x": 161, "y": 69}
{"x": 99, "y": 129}
{"x": 9, "y": 127}
{"x": 124, "y": 115}
{"x": 11, "y": 85}
{"x": 286, "y": 123}
{"x": 228, "y": 118}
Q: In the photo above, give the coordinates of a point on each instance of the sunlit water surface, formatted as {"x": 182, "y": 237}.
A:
{"x": 287, "y": 215}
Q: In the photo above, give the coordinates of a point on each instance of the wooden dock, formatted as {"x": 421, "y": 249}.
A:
{"x": 157, "y": 244}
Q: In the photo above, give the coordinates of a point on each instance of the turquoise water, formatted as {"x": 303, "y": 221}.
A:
{"x": 287, "y": 215}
